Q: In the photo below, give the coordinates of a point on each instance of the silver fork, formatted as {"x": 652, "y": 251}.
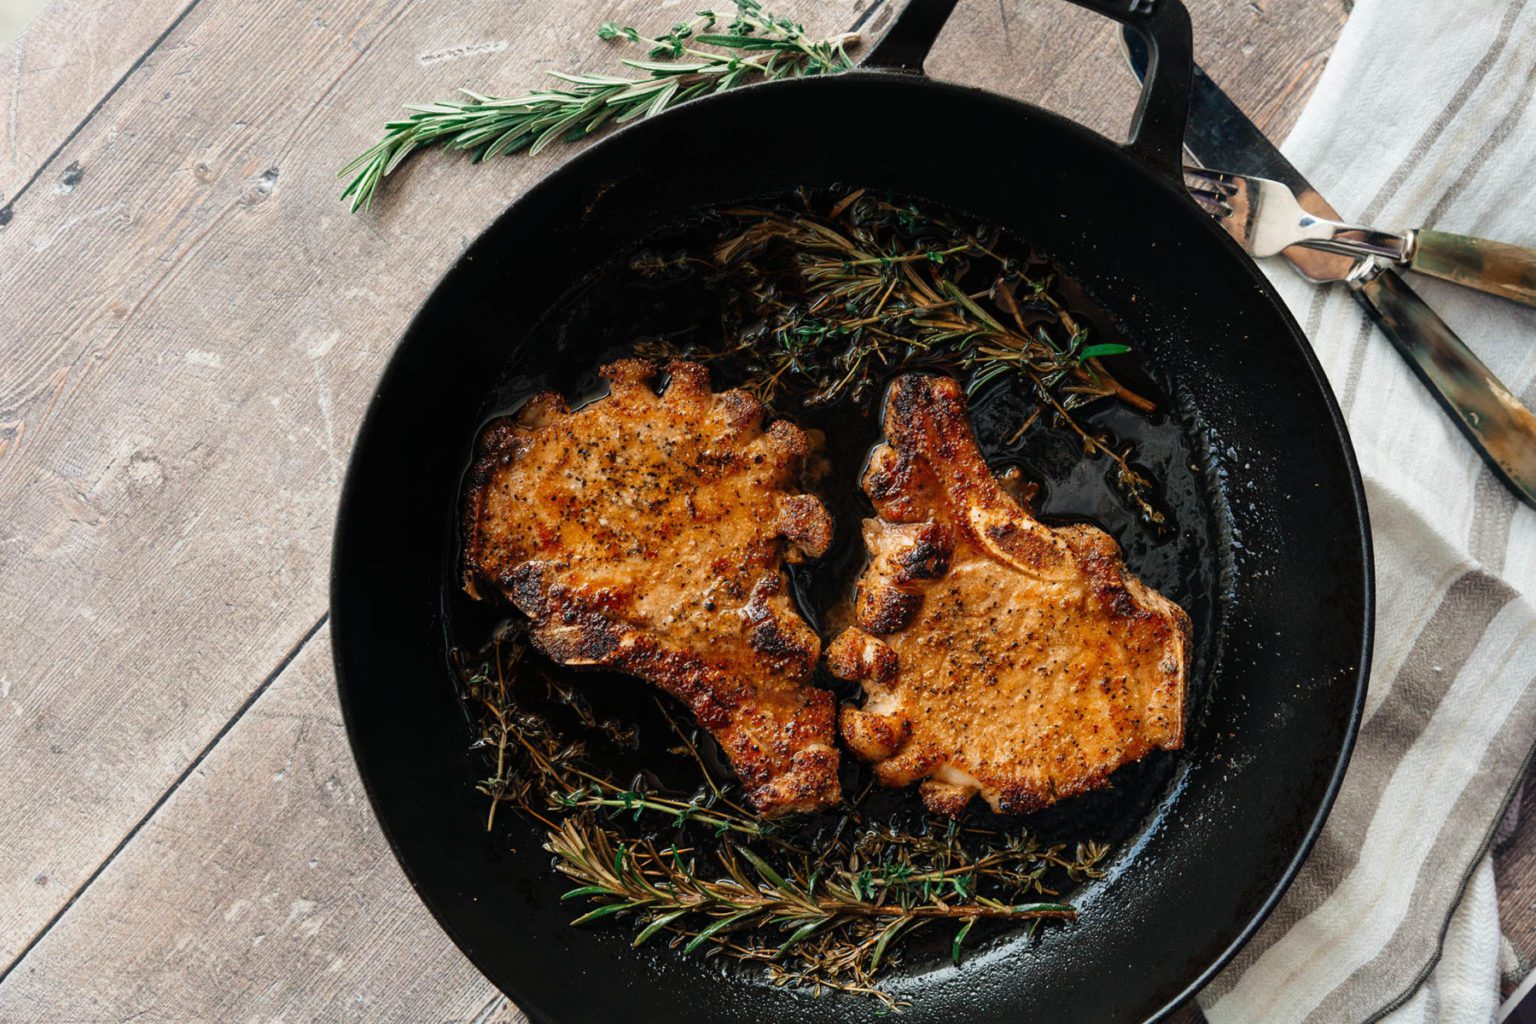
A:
{"x": 1265, "y": 218}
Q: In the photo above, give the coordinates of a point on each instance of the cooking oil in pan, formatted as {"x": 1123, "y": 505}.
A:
{"x": 617, "y": 308}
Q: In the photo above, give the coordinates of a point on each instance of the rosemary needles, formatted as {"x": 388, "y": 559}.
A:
{"x": 827, "y": 908}
{"x": 826, "y": 307}
{"x": 755, "y": 46}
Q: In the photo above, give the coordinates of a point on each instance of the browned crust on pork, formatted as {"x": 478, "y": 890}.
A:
{"x": 647, "y": 533}
{"x": 999, "y": 656}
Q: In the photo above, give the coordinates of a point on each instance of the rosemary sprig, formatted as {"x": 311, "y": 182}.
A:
{"x": 642, "y": 878}
{"x": 826, "y": 913}
{"x": 756, "y": 46}
{"x": 828, "y": 306}
{"x": 757, "y": 911}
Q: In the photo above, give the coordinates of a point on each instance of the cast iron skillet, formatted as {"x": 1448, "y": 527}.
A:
{"x": 1284, "y": 675}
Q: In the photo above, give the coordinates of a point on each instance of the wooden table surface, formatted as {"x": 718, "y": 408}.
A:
{"x": 190, "y": 328}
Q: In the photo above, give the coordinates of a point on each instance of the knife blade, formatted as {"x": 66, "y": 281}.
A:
{"x": 1494, "y": 421}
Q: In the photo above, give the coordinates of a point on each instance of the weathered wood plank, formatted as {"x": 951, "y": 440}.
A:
{"x": 1267, "y": 56}
{"x": 1189, "y": 1013}
{"x": 261, "y": 890}
{"x": 189, "y": 344}
{"x": 190, "y": 334}
{"x": 66, "y": 60}
{"x": 1514, "y": 868}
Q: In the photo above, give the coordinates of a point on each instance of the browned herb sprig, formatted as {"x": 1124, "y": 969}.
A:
{"x": 705, "y": 874}
{"x": 827, "y": 306}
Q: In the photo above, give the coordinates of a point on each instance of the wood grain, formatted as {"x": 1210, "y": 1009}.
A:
{"x": 261, "y": 890}
{"x": 1266, "y": 56}
{"x": 191, "y": 333}
{"x": 191, "y": 330}
{"x": 1514, "y": 868}
{"x": 66, "y": 60}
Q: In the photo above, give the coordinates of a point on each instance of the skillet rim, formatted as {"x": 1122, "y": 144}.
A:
{"x": 1112, "y": 151}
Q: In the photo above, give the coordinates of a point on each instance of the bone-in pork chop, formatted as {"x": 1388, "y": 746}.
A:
{"x": 999, "y": 655}
{"x": 647, "y": 533}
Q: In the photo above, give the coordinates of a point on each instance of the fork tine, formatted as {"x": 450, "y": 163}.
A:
{"x": 1198, "y": 175}
{"x": 1214, "y": 203}
{"x": 1208, "y": 192}
{"x": 1210, "y": 181}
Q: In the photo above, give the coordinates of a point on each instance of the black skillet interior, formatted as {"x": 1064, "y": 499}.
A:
{"x": 1281, "y": 591}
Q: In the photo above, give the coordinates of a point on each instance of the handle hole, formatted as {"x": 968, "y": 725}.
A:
{"x": 1051, "y": 54}
{"x": 1067, "y": 59}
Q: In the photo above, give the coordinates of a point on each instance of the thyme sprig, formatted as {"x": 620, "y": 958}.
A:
{"x": 829, "y": 305}
{"x": 827, "y": 913}
{"x": 545, "y": 774}
{"x": 755, "y": 46}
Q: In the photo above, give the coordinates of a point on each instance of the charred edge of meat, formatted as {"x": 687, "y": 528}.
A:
{"x": 926, "y": 411}
{"x": 946, "y": 798}
{"x": 810, "y": 783}
{"x": 873, "y": 737}
{"x": 883, "y": 609}
{"x": 742, "y": 411}
{"x": 789, "y": 644}
{"x": 891, "y": 481}
{"x": 629, "y": 372}
{"x": 855, "y": 656}
{"x": 927, "y": 558}
{"x": 804, "y": 522}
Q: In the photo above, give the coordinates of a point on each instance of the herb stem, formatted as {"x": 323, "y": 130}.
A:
{"x": 826, "y": 307}
{"x": 759, "y": 46}
{"x": 827, "y": 914}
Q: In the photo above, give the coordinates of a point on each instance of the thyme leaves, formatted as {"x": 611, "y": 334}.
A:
{"x": 699, "y": 871}
{"x": 826, "y": 307}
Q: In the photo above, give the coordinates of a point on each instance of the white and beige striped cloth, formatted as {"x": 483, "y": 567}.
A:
{"x": 1423, "y": 117}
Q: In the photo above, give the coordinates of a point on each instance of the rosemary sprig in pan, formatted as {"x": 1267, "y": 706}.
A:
{"x": 756, "y": 46}
{"x": 827, "y": 306}
{"x": 826, "y": 913}
{"x": 758, "y": 912}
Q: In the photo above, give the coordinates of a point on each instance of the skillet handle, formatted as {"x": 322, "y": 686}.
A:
{"x": 1157, "y": 129}
{"x": 913, "y": 31}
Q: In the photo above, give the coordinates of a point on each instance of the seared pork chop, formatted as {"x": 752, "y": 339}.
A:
{"x": 647, "y": 533}
{"x": 999, "y": 655}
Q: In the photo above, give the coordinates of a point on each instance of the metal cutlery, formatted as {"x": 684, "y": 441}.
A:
{"x": 1266, "y": 218}
{"x": 1494, "y": 421}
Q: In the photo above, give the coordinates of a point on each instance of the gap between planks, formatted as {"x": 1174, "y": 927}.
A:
{"x": 192, "y": 766}
{"x": 967, "y": 41}
{"x": 7, "y": 201}
{"x": 186, "y": 402}
{"x": 263, "y": 889}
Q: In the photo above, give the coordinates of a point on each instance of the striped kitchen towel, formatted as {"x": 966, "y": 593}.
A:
{"x": 1423, "y": 117}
